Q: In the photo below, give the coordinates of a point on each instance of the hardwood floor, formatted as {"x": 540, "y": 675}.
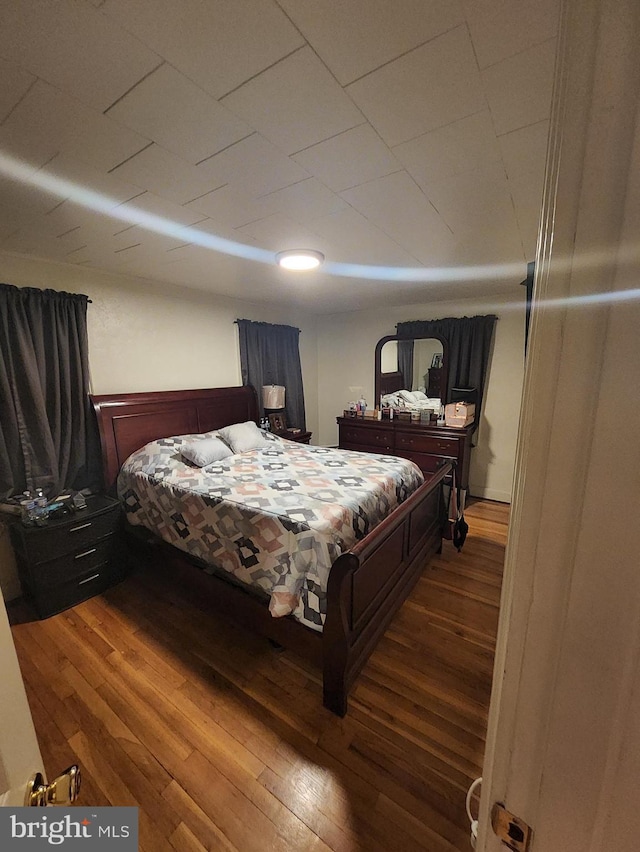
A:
{"x": 223, "y": 742}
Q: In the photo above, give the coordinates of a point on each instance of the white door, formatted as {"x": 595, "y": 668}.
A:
{"x": 563, "y": 748}
{"x": 20, "y": 756}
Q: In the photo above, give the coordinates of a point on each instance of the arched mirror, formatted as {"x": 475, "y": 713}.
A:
{"x": 411, "y": 364}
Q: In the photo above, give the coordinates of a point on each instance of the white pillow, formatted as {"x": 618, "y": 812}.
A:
{"x": 242, "y": 437}
{"x": 407, "y": 395}
{"x": 419, "y": 396}
{"x": 205, "y": 451}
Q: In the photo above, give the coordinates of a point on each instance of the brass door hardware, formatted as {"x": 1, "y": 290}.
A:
{"x": 63, "y": 790}
{"x": 514, "y": 833}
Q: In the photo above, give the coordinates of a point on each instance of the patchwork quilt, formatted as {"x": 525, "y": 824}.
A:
{"x": 275, "y": 517}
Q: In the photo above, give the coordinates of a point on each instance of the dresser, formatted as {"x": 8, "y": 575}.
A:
{"x": 426, "y": 445}
{"x": 71, "y": 558}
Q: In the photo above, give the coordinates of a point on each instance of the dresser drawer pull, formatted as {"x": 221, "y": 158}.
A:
{"x": 85, "y": 553}
{"x": 89, "y": 579}
{"x": 81, "y": 527}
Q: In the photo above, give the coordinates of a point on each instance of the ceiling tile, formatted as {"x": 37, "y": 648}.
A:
{"x": 20, "y": 204}
{"x": 84, "y": 178}
{"x": 295, "y": 104}
{"x": 72, "y": 128}
{"x": 458, "y": 147}
{"x": 349, "y": 237}
{"x": 165, "y": 174}
{"x": 519, "y": 88}
{"x": 524, "y": 155}
{"x": 278, "y": 233}
{"x": 472, "y": 198}
{"x": 355, "y": 37}
{"x": 74, "y": 47}
{"x": 14, "y": 84}
{"x": 430, "y": 87}
{"x": 157, "y": 215}
{"x": 218, "y": 44}
{"x": 253, "y": 165}
{"x": 34, "y": 149}
{"x": 502, "y": 28}
{"x": 351, "y": 158}
{"x": 172, "y": 111}
{"x": 397, "y": 206}
{"x": 305, "y": 200}
{"x": 231, "y": 206}
{"x": 478, "y": 207}
{"x": 524, "y": 151}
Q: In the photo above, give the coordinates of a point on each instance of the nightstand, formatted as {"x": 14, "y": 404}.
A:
{"x": 73, "y": 557}
{"x": 299, "y": 437}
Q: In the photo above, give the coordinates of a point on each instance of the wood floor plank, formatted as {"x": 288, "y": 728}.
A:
{"x": 222, "y": 742}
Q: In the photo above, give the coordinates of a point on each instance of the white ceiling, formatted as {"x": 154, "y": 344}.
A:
{"x": 407, "y": 135}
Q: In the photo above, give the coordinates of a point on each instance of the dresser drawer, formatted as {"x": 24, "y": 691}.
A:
{"x": 363, "y": 448}
{"x": 414, "y": 442}
{"x": 374, "y": 438}
{"x": 77, "y": 534}
{"x": 426, "y": 462}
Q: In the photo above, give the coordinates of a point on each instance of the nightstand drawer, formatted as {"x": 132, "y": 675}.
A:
{"x": 52, "y": 601}
{"x": 427, "y": 444}
{"x": 78, "y": 533}
{"x": 47, "y": 575}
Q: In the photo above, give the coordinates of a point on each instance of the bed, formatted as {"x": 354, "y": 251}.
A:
{"x": 358, "y": 581}
{"x": 393, "y": 394}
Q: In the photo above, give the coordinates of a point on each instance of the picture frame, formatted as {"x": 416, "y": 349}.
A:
{"x": 277, "y": 423}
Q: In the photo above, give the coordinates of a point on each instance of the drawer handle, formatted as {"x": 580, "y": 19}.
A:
{"x": 89, "y": 579}
{"x": 86, "y": 553}
{"x": 81, "y": 527}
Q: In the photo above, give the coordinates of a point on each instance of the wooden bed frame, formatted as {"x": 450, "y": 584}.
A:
{"x": 367, "y": 584}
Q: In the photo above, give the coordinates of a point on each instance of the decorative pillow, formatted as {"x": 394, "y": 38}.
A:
{"x": 205, "y": 451}
{"x": 243, "y": 436}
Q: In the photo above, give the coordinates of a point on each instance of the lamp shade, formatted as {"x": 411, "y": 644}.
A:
{"x": 273, "y": 396}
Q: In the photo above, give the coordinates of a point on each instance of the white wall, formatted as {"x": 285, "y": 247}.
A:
{"x": 147, "y": 336}
{"x": 346, "y": 345}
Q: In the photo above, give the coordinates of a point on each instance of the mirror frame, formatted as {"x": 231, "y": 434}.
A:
{"x": 390, "y": 337}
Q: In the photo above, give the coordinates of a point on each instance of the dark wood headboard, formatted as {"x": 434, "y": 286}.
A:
{"x": 128, "y": 421}
{"x": 390, "y": 382}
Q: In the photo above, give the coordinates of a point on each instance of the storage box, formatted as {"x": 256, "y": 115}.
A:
{"x": 459, "y": 413}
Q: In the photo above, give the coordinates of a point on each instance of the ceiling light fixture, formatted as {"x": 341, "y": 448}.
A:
{"x": 299, "y": 259}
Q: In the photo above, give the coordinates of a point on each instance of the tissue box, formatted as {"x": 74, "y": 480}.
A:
{"x": 459, "y": 413}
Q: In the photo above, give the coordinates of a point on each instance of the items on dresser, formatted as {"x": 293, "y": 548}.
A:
{"x": 72, "y": 557}
{"x": 459, "y": 414}
{"x": 426, "y": 444}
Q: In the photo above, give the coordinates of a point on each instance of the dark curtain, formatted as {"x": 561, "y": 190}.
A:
{"x": 47, "y": 435}
{"x": 405, "y": 362}
{"x": 270, "y": 355}
{"x": 469, "y": 346}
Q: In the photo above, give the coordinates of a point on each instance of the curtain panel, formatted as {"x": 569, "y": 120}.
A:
{"x": 46, "y": 430}
{"x": 405, "y": 362}
{"x": 469, "y": 347}
{"x": 270, "y": 355}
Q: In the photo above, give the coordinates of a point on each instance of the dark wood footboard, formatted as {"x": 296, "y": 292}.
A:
{"x": 368, "y": 584}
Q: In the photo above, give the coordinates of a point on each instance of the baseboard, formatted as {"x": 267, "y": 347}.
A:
{"x": 490, "y": 494}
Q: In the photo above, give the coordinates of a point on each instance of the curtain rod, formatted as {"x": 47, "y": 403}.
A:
{"x": 273, "y": 324}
